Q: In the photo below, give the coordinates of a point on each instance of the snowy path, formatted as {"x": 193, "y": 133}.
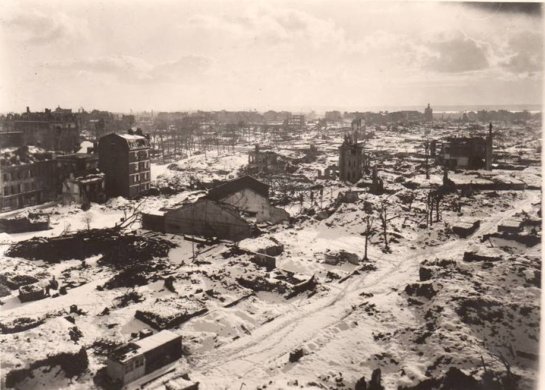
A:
{"x": 263, "y": 353}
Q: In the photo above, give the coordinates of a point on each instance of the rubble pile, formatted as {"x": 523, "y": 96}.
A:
{"x": 472, "y": 256}
{"x": 104, "y": 347}
{"x": 117, "y": 247}
{"x": 31, "y": 292}
{"x": 334, "y": 258}
{"x": 79, "y": 245}
{"x": 307, "y": 285}
{"x": 425, "y": 290}
{"x": 478, "y": 311}
{"x": 168, "y": 313}
{"x": 4, "y": 291}
{"x": 32, "y": 222}
{"x": 14, "y": 281}
{"x": 127, "y": 298}
{"x": 137, "y": 274}
{"x": 296, "y": 355}
{"x": 455, "y": 379}
{"x": 20, "y": 324}
{"x": 527, "y": 239}
{"x": 135, "y": 249}
{"x": 260, "y": 283}
{"x": 72, "y": 364}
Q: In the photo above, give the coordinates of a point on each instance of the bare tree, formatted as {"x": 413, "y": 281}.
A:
{"x": 87, "y": 219}
{"x": 384, "y": 219}
{"x": 427, "y": 150}
{"x": 368, "y": 220}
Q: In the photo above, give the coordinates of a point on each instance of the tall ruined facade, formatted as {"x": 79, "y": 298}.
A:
{"x": 353, "y": 161}
{"x": 467, "y": 152}
{"x": 428, "y": 114}
{"x": 26, "y": 179}
{"x": 489, "y": 149}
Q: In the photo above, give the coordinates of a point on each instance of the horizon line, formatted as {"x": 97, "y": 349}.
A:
{"x": 300, "y": 109}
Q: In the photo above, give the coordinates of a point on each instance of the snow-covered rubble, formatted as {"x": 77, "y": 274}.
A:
{"x": 415, "y": 309}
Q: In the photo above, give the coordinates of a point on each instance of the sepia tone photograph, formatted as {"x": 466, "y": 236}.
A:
{"x": 270, "y": 195}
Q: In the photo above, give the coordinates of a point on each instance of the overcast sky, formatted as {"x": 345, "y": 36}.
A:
{"x": 180, "y": 55}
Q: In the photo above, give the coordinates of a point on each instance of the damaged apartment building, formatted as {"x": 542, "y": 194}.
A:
{"x": 56, "y": 130}
{"x": 27, "y": 177}
{"x": 228, "y": 211}
{"x": 466, "y": 152}
{"x": 30, "y": 176}
{"x": 125, "y": 161}
{"x": 294, "y": 122}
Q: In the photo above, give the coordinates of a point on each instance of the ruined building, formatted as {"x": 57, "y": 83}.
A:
{"x": 56, "y": 130}
{"x": 428, "y": 114}
{"x": 353, "y": 161}
{"x": 79, "y": 179}
{"x": 27, "y": 178}
{"x": 467, "y": 152}
{"x": 125, "y": 161}
{"x": 8, "y": 136}
{"x": 264, "y": 161}
{"x": 294, "y": 122}
{"x": 489, "y": 148}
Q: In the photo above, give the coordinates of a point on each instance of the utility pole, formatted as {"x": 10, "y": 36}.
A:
{"x": 193, "y": 249}
{"x": 368, "y": 231}
{"x": 322, "y": 198}
{"x": 163, "y": 147}
{"x": 427, "y": 147}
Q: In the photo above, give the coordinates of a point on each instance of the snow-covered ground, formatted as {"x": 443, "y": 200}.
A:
{"x": 358, "y": 318}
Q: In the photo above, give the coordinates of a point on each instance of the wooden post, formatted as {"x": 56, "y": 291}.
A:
{"x": 427, "y": 163}
{"x": 193, "y": 249}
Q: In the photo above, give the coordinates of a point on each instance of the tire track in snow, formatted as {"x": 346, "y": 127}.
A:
{"x": 281, "y": 339}
{"x": 274, "y": 340}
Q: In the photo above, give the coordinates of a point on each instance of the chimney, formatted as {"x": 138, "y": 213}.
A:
{"x": 27, "y": 110}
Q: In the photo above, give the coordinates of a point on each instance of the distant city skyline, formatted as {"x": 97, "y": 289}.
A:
{"x": 280, "y": 55}
{"x": 319, "y": 110}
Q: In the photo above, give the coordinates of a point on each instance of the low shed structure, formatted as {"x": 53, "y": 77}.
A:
{"x": 207, "y": 218}
{"x": 251, "y": 196}
{"x": 154, "y": 221}
{"x": 136, "y": 359}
